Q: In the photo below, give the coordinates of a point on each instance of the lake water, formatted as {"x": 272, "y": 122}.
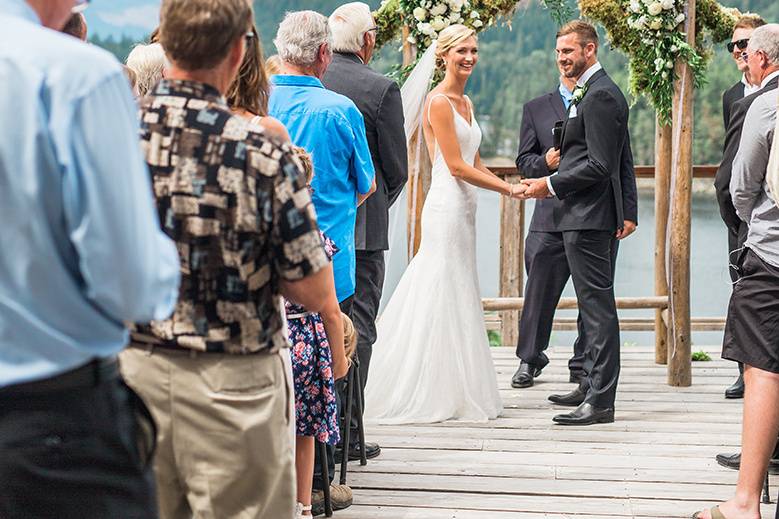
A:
{"x": 710, "y": 283}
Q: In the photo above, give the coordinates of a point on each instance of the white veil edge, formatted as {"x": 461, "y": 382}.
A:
{"x": 413, "y": 94}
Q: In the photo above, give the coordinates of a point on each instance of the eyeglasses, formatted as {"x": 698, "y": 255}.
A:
{"x": 745, "y": 55}
{"x": 741, "y": 44}
{"x": 80, "y": 6}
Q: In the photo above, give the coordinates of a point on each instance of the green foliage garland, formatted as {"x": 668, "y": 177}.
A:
{"x": 649, "y": 32}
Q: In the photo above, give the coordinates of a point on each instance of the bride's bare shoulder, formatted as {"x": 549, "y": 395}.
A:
{"x": 436, "y": 100}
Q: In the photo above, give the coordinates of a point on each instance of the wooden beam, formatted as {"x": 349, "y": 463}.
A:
{"x": 679, "y": 347}
{"x": 646, "y": 324}
{"x": 569, "y": 303}
{"x": 642, "y": 171}
{"x": 512, "y": 247}
{"x": 662, "y": 172}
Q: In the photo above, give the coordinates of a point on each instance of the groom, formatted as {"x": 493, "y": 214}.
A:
{"x": 590, "y": 213}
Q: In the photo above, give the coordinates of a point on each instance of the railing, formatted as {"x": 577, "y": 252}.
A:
{"x": 510, "y": 301}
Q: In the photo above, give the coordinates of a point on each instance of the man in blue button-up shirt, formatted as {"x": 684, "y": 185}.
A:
{"x": 330, "y": 127}
{"x": 81, "y": 253}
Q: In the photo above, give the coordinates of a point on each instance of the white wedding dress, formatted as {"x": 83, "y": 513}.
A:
{"x": 431, "y": 361}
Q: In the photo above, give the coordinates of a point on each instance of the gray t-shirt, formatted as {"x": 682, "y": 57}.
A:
{"x": 748, "y": 187}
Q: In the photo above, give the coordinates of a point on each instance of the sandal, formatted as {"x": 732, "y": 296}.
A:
{"x": 300, "y": 508}
{"x": 714, "y": 511}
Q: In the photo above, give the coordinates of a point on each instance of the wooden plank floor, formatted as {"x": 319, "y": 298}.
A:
{"x": 655, "y": 461}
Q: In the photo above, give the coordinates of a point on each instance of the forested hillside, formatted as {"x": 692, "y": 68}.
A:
{"x": 517, "y": 64}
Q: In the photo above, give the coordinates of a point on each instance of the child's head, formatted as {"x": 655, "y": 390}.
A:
{"x": 305, "y": 160}
{"x": 350, "y": 336}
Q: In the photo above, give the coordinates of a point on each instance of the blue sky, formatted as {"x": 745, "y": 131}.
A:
{"x": 135, "y": 18}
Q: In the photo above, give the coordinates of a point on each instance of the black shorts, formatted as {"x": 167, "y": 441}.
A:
{"x": 752, "y": 325}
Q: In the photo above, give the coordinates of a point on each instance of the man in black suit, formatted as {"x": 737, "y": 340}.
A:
{"x": 590, "y": 212}
{"x": 545, "y": 262}
{"x": 766, "y": 74}
{"x": 378, "y": 99}
{"x": 738, "y": 44}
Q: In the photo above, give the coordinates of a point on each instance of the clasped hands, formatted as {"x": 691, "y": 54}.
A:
{"x": 530, "y": 188}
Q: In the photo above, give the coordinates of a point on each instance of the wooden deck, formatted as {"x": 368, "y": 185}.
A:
{"x": 656, "y": 460}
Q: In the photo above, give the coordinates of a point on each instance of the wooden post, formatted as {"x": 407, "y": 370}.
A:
{"x": 418, "y": 178}
{"x": 679, "y": 348}
{"x": 662, "y": 195}
{"x": 512, "y": 253}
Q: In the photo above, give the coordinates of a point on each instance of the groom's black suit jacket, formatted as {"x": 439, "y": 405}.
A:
{"x": 588, "y": 181}
{"x": 539, "y": 116}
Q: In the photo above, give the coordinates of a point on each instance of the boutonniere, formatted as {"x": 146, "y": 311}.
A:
{"x": 578, "y": 94}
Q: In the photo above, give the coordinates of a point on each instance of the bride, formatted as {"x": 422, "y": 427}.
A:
{"x": 431, "y": 361}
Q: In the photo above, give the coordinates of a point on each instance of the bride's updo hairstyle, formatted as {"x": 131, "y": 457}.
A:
{"x": 449, "y": 38}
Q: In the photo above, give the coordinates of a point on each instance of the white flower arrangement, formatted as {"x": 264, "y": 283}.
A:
{"x": 658, "y": 25}
{"x": 430, "y": 17}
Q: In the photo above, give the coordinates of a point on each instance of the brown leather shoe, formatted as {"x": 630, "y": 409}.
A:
{"x": 341, "y": 495}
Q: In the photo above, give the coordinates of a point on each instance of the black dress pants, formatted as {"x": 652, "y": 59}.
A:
{"x": 590, "y": 256}
{"x": 547, "y": 274}
{"x": 78, "y": 452}
{"x": 367, "y": 296}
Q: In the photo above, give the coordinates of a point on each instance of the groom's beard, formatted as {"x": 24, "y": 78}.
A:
{"x": 576, "y": 69}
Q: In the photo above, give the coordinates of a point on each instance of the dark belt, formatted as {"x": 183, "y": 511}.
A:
{"x": 138, "y": 342}
{"x": 89, "y": 375}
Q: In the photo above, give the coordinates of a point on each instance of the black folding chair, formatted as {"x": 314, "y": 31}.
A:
{"x": 352, "y": 385}
{"x": 325, "y": 479}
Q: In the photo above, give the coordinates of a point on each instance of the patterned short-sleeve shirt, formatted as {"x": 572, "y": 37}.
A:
{"x": 236, "y": 204}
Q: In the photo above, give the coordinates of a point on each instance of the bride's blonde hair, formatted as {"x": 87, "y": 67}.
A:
{"x": 450, "y": 38}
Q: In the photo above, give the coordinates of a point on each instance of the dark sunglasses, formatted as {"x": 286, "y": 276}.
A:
{"x": 741, "y": 44}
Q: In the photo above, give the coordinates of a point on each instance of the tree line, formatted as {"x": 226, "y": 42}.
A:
{"x": 518, "y": 64}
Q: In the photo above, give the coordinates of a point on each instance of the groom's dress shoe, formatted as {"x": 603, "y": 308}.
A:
{"x": 585, "y": 414}
{"x": 572, "y": 399}
{"x": 737, "y": 389}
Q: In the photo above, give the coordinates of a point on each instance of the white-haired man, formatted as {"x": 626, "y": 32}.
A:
{"x": 753, "y": 313}
{"x": 378, "y": 99}
{"x": 735, "y": 227}
{"x": 330, "y": 127}
{"x": 766, "y": 75}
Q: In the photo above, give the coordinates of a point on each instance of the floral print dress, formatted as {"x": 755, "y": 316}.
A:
{"x": 316, "y": 413}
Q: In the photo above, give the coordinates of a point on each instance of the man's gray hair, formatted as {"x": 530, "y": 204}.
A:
{"x": 349, "y": 24}
{"x": 300, "y": 35}
{"x": 766, "y": 39}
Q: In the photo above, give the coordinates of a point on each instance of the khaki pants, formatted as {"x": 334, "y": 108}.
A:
{"x": 223, "y": 445}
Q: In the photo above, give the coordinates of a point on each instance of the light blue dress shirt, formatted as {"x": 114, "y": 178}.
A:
{"x": 566, "y": 95}
{"x": 81, "y": 251}
{"x": 331, "y": 128}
